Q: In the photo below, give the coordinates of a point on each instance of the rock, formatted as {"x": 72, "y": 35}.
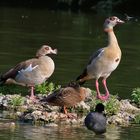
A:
{"x": 50, "y": 108}
{"x": 7, "y": 125}
{"x": 122, "y": 118}
{"x": 19, "y": 114}
{"x": 127, "y": 107}
{"x": 51, "y": 125}
{"x": 74, "y": 121}
{"x": 83, "y": 106}
{"x": 115, "y": 120}
{"x": 67, "y": 121}
{"x": 62, "y": 116}
{"x": 81, "y": 120}
{"x": 1, "y": 99}
{"x": 36, "y": 115}
{"x": 5, "y": 114}
{"x": 88, "y": 93}
{"x": 28, "y": 117}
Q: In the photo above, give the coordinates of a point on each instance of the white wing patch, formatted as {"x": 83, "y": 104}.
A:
{"x": 28, "y": 69}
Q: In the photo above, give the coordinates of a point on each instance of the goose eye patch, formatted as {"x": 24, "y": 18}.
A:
{"x": 46, "y": 48}
{"x": 112, "y": 18}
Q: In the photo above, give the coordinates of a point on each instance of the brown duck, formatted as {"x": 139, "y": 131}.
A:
{"x": 67, "y": 97}
{"x": 33, "y": 71}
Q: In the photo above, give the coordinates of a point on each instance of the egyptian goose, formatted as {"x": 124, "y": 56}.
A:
{"x": 96, "y": 121}
{"x": 33, "y": 71}
{"x": 105, "y": 60}
{"x": 68, "y": 96}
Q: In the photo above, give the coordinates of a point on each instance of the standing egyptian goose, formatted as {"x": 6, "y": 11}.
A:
{"x": 105, "y": 60}
{"x": 33, "y": 71}
{"x": 68, "y": 96}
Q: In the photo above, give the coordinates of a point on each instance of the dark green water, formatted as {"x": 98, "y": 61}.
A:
{"x": 76, "y": 36}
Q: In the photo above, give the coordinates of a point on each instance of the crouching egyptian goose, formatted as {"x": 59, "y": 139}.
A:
{"x": 105, "y": 60}
{"x": 68, "y": 96}
{"x": 33, "y": 71}
{"x": 96, "y": 121}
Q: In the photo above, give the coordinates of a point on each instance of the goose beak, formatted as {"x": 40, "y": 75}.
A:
{"x": 120, "y": 21}
{"x": 54, "y": 51}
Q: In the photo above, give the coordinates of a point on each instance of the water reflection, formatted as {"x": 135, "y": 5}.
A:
{"x": 67, "y": 132}
{"x": 29, "y": 132}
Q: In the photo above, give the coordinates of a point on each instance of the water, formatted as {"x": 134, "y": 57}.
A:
{"x": 29, "y": 132}
{"x": 76, "y": 36}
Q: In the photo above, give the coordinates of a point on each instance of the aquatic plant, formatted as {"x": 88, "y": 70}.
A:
{"x": 112, "y": 105}
{"x": 16, "y": 100}
{"x": 46, "y": 88}
{"x": 136, "y": 95}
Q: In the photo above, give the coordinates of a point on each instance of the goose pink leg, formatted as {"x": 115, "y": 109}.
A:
{"x": 98, "y": 91}
{"x": 106, "y": 89}
{"x": 32, "y": 96}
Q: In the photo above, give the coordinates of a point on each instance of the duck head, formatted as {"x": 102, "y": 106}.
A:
{"x": 111, "y": 22}
{"x": 44, "y": 50}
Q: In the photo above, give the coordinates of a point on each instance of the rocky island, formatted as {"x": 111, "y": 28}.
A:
{"x": 16, "y": 107}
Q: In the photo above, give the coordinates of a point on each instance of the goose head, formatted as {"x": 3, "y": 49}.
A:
{"x": 44, "y": 50}
{"x": 111, "y": 22}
